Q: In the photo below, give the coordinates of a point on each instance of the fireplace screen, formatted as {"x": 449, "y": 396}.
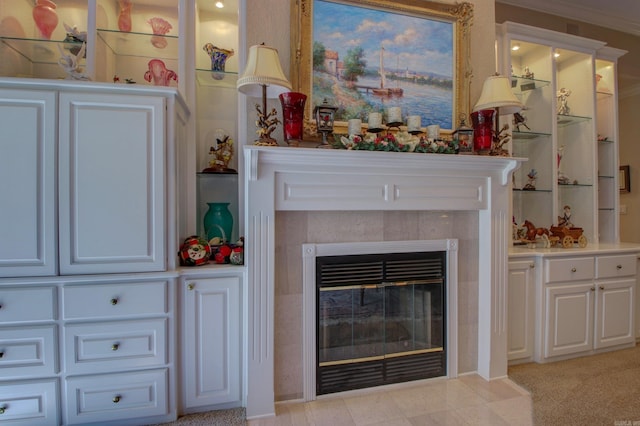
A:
{"x": 380, "y": 319}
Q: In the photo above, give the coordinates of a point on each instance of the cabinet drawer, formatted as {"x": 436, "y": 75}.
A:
{"x": 113, "y": 346}
{"x": 30, "y": 403}
{"x": 616, "y": 266}
{"x": 27, "y": 304}
{"x": 27, "y": 352}
{"x": 116, "y": 396}
{"x": 94, "y": 301}
{"x": 569, "y": 269}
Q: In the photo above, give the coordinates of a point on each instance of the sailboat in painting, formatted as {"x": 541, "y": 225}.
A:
{"x": 383, "y": 90}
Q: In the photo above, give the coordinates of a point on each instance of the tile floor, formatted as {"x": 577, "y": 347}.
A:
{"x": 467, "y": 400}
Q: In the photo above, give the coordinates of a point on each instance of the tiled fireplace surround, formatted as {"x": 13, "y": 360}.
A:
{"x": 299, "y": 195}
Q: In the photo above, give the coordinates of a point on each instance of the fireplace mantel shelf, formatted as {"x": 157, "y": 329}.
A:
{"x": 309, "y": 179}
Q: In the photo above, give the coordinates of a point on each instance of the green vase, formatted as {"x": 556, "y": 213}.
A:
{"x": 218, "y": 221}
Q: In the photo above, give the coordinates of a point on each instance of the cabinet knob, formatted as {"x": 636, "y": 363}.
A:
{"x": 3, "y": 409}
{"x": 601, "y": 287}
{"x": 573, "y": 269}
{"x": 532, "y": 265}
{"x": 619, "y": 267}
{"x": 116, "y": 399}
{"x": 191, "y": 286}
{"x": 114, "y": 301}
{"x": 593, "y": 289}
{"x": 2, "y": 354}
{"x": 115, "y": 346}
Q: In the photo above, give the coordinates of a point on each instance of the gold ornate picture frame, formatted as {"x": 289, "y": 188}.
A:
{"x": 459, "y": 16}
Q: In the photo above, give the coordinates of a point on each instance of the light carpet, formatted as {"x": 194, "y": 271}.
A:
{"x": 593, "y": 390}
{"x": 231, "y": 417}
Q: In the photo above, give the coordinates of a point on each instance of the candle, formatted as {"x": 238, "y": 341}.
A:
{"x": 375, "y": 120}
{"x": 413, "y": 123}
{"x": 433, "y": 131}
{"x": 355, "y": 126}
{"x": 394, "y": 115}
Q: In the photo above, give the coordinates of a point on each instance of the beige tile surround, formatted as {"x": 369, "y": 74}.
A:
{"x": 294, "y": 228}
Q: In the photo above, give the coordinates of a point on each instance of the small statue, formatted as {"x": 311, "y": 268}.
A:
{"x": 527, "y": 73}
{"x": 222, "y": 153}
{"x": 565, "y": 219}
{"x": 562, "y": 95}
{"x": 71, "y": 63}
{"x": 531, "y": 184}
{"x": 519, "y": 120}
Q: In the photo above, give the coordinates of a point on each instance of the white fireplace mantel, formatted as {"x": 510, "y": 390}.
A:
{"x": 307, "y": 179}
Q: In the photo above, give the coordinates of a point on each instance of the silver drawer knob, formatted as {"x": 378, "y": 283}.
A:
{"x": 116, "y": 399}
{"x": 3, "y": 409}
{"x": 115, "y": 346}
{"x": 191, "y": 286}
{"x": 573, "y": 269}
{"x": 114, "y": 301}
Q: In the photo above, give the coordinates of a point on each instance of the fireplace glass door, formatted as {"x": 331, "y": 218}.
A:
{"x": 380, "y": 319}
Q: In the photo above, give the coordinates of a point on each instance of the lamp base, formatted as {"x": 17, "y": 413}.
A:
{"x": 264, "y": 141}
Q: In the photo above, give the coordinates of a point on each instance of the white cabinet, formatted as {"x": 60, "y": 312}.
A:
{"x": 211, "y": 318}
{"x": 111, "y": 183}
{"x": 29, "y": 359}
{"x": 28, "y": 233}
{"x": 92, "y": 192}
{"x": 521, "y": 309}
{"x": 587, "y": 304}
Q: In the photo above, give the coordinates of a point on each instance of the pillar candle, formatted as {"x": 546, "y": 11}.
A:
{"x": 375, "y": 120}
{"x": 355, "y": 126}
{"x": 413, "y": 123}
{"x": 394, "y": 115}
{"x": 433, "y": 131}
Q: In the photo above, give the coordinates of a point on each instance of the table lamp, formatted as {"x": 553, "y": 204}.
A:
{"x": 263, "y": 77}
{"x": 496, "y": 98}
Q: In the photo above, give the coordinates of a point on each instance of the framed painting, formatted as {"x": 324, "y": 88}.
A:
{"x": 366, "y": 56}
{"x": 624, "y": 179}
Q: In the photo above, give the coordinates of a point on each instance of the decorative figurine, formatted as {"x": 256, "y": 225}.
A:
{"x": 531, "y": 184}
{"x": 519, "y": 120}
{"x": 562, "y": 95}
{"x": 565, "y": 219}
{"x": 221, "y": 152}
{"x": 527, "y": 73}
{"x": 70, "y": 63}
{"x": 194, "y": 251}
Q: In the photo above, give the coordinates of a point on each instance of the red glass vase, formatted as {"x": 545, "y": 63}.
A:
{"x": 45, "y": 16}
{"x": 293, "y": 116}
{"x": 482, "y": 130}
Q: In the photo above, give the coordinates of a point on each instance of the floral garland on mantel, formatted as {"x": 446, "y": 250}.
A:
{"x": 398, "y": 142}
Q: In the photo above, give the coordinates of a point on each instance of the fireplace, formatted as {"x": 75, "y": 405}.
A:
{"x": 379, "y": 317}
{"x": 288, "y": 183}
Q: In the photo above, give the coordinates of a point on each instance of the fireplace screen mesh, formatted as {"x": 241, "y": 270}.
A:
{"x": 380, "y": 319}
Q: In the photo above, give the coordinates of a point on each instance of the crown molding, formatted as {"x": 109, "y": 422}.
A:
{"x": 578, "y": 11}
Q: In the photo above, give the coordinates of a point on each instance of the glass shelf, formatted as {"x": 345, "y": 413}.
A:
{"x": 521, "y": 136}
{"x": 605, "y": 141}
{"x": 606, "y": 209}
{"x": 530, "y": 190}
{"x": 523, "y": 84}
{"x": 603, "y": 95}
{"x": 140, "y": 44}
{"x": 39, "y": 51}
{"x": 605, "y": 177}
{"x": 568, "y": 120}
{"x": 574, "y": 185}
{"x": 216, "y": 78}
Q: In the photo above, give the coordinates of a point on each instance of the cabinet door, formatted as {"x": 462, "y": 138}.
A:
{"x": 521, "y": 307}
{"x": 27, "y": 183}
{"x": 211, "y": 333}
{"x": 569, "y": 319}
{"x": 111, "y": 182}
{"x": 614, "y": 313}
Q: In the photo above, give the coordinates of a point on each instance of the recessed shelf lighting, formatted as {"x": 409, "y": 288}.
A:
{"x": 515, "y": 47}
{"x": 219, "y": 4}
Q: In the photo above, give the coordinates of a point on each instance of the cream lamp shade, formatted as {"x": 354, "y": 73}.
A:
{"x": 263, "y": 70}
{"x": 497, "y": 93}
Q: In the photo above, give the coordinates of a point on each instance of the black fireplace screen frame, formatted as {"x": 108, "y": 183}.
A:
{"x": 380, "y": 275}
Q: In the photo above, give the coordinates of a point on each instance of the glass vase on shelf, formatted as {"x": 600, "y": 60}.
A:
{"x": 46, "y": 18}
{"x": 218, "y": 223}
{"x": 292, "y": 116}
